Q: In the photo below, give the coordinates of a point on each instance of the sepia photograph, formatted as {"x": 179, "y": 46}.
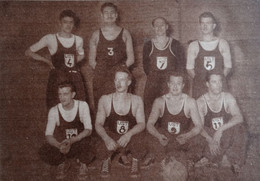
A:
{"x": 118, "y": 90}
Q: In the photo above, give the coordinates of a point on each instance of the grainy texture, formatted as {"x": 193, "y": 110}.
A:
{"x": 23, "y": 81}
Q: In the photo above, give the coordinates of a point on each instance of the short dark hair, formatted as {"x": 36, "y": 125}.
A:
{"x": 70, "y": 13}
{"x": 123, "y": 68}
{"x": 67, "y": 84}
{"x": 210, "y": 73}
{"x": 177, "y": 74}
{"x": 108, "y": 4}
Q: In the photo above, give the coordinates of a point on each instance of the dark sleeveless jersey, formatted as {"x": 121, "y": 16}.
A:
{"x": 65, "y": 58}
{"x": 175, "y": 124}
{"x": 110, "y": 53}
{"x": 162, "y": 60}
{"x": 215, "y": 119}
{"x": 204, "y": 62}
{"x": 66, "y": 130}
{"x": 120, "y": 124}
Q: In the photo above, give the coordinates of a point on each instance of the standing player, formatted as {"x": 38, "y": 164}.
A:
{"x": 66, "y": 51}
{"x": 110, "y": 46}
{"x": 173, "y": 123}
{"x": 209, "y": 53}
{"x": 119, "y": 122}
{"x": 67, "y": 133}
{"x": 161, "y": 54}
{"x": 223, "y": 131}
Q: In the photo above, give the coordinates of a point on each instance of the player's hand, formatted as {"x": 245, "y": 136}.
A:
{"x": 181, "y": 139}
{"x": 51, "y": 65}
{"x": 65, "y": 146}
{"x": 111, "y": 144}
{"x": 163, "y": 140}
{"x": 124, "y": 140}
{"x": 214, "y": 147}
{"x": 217, "y": 136}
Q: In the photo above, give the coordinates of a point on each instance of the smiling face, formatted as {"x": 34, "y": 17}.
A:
{"x": 160, "y": 27}
{"x": 109, "y": 15}
{"x": 214, "y": 84}
{"x": 67, "y": 24}
{"x": 175, "y": 85}
{"x": 66, "y": 96}
{"x": 122, "y": 82}
{"x": 207, "y": 25}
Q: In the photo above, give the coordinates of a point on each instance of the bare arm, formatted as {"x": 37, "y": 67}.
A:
{"x": 129, "y": 48}
{"x": 38, "y": 57}
{"x": 83, "y": 134}
{"x": 191, "y": 56}
{"x": 93, "y": 49}
{"x": 225, "y": 52}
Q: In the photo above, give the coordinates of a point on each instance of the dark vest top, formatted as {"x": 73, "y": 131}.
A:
{"x": 214, "y": 120}
{"x": 65, "y": 58}
{"x": 120, "y": 124}
{"x": 110, "y": 53}
{"x": 175, "y": 124}
{"x": 66, "y": 129}
{"x": 208, "y": 61}
{"x": 162, "y": 61}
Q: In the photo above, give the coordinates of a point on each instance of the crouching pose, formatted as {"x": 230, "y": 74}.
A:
{"x": 225, "y": 135}
{"x": 67, "y": 133}
{"x": 173, "y": 122}
{"x": 119, "y": 122}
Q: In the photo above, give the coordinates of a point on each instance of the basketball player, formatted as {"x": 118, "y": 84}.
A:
{"x": 119, "y": 122}
{"x": 207, "y": 54}
{"x": 66, "y": 51}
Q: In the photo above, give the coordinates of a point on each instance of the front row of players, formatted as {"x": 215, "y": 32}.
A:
{"x": 173, "y": 124}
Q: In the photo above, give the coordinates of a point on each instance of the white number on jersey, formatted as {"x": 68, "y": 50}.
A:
{"x": 122, "y": 126}
{"x": 217, "y": 123}
{"x": 209, "y": 63}
{"x": 71, "y": 133}
{"x": 110, "y": 51}
{"x": 174, "y": 127}
{"x": 161, "y": 63}
{"x": 69, "y": 60}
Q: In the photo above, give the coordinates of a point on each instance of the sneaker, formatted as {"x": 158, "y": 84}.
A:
{"x": 106, "y": 168}
{"x": 83, "y": 171}
{"x": 123, "y": 161}
{"x": 62, "y": 170}
{"x": 135, "y": 169}
{"x": 147, "y": 163}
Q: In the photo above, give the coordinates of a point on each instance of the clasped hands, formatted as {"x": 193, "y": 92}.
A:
{"x": 121, "y": 142}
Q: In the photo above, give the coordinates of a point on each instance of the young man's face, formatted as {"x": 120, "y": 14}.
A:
{"x": 215, "y": 84}
{"x": 121, "y": 82}
{"x": 207, "y": 25}
{"x": 109, "y": 15}
{"x": 67, "y": 24}
{"x": 66, "y": 96}
{"x": 160, "y": 27}
{"x": 175, "y": 85}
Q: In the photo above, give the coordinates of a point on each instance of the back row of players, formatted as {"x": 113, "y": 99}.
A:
{"x": 120, "y": 117}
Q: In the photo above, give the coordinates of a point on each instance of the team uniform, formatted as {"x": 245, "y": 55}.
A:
{"x": 110, "y": 54}
{"x": 117, "y": 125}
{"x": 157, "y": 62}
{"x": 68, "y": 124}
{"x": 173, "y": 125}
{"x": 233, "y": 140}
{"x": 206, "y": 61}
{"x": 64, "y": 59}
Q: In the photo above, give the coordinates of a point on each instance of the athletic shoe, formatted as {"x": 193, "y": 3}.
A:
{"x": 135, "y": 169}
{"x": 83, "y": 172}
{"x": 62, "y": 170}
{"x": 123, "y": 161}
{"x": 105, "y": 170}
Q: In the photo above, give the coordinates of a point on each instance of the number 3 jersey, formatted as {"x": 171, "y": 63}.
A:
{"x": 215, "y": 119}
{"x": 175, "y": 124}
{"x": 120, "y": 124}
